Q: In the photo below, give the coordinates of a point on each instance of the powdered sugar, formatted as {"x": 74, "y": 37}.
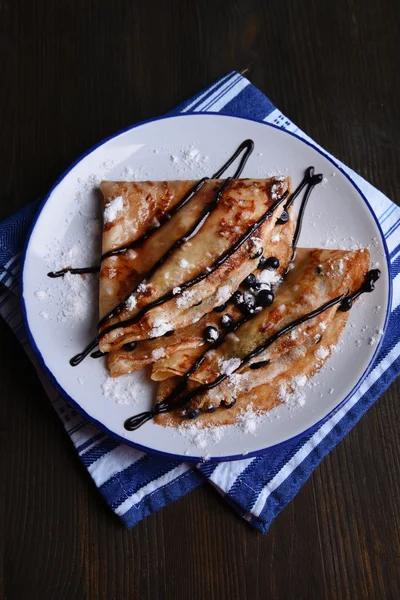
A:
{"x": 41, "y": 295}
{"x": 202, "y": 437}
{"x": 249, "y": 420}
{"x": 157, "y": 353}
{"x": 131, "y": 302}
{"x": 160, "y": 326}
{"x": 223, "y": 293}
{"x": 126, "y": 389}
{"x": 189, "y": 159}
{"x": 142, "y": 287}
{"x": 268, "y": 277}
{"x": 292, "y": 393}
{"x": 93, "y": 227}
{"x": 74, "y": 296}
{"x": 113, "y": 209}
{"x": 321, "y": 353}
{"x": 212, "y": 335}
{"x": 185, "y": 299}
{"x": 229, "y": 366}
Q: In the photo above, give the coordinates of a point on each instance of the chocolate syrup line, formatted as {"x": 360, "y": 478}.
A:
{"x": 78, "y": 358}
{"x": 173, "y": 401}
{"x": 184, "y": 286}
{"x": 312, "y": 180}
{"x": 81, "y": 271}
{"x": 367, "y": 287}
{"x": 247, "y": 145}
{"x": 208, "y": 209}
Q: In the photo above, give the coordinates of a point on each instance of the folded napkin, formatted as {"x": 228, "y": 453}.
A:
{"x": 135, "y": 484}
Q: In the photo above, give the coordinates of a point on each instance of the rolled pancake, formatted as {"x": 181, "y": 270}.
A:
{"x": 188, "y": 342}
{"x": 242, "y": 203}
{"x": 318, "y": 277}
{"x": 280, "y": 377}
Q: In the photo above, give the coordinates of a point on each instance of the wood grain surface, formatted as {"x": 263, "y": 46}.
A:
{"x": 75, "y": 71}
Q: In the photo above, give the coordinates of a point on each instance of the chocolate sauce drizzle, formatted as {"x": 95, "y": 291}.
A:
{"x": 367, "y": 287}
{"x": 310, "y": 180}
{"x": 175, "y": 400}
{"x": 73, "y": 271}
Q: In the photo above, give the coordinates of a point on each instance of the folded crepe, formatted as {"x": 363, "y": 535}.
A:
{"x": 132, "y": 208}
{"x": 190, "y": 340}
{"x": 318, "y": 276}
{"x": 284, "y": 381}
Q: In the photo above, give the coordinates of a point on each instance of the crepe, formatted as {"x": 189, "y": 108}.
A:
{"x": 281, "y": 381}
{"x": 318, "y": 277}
{"x": 242, "y": 204}
{"x": 189, "y": 341}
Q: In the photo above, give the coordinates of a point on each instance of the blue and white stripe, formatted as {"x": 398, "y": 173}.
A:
{"x": 136, "y": 484}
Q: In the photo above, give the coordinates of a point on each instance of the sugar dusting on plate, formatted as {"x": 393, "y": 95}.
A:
{"x": 189, "y": 159}
{"x": 201, "y": 438}
{"x": 126, "y": 389}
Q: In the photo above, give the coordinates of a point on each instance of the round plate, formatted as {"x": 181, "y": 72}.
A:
{"x": 61, "y": 315}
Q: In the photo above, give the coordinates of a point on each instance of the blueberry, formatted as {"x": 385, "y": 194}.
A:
{"x": 248, "y": 305}
{"x": 129, "y": 346}
{"x": 284, "y": 218}
{"x": 221, "y": 308}
{"x": 192, "y": 414}
{"x": 211, "y": 334}
{"x": 272, "y": 263}
{"x": 210, "y": 409}
{"x": 250, "y": 280}
{"x": 262, "y": 263}
{"x": 238, "y": 297}
{"x": 256, "y": 288}
{"x": 265, "y": 297}
{"x": 227, "y": 321}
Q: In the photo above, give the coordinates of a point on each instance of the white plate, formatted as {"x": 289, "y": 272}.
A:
{"x": 337, "y": 216}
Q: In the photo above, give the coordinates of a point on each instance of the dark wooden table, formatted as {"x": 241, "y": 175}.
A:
{"x": 75, "y": 71}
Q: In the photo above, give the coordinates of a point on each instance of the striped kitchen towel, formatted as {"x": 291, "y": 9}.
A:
{"x": 135, "y": 484}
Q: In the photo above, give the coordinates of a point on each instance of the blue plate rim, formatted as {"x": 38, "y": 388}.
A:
{"x": 184, "y": 458}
